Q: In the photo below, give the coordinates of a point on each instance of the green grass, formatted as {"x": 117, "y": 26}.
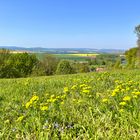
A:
{"x": 79, "y": 107}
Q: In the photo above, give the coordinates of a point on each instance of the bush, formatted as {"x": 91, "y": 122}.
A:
{"x": 81, "y": 67}
{"x": 18, "y": 65}
{"x": 49, "y": 63}
{"x": 64, "y": 67}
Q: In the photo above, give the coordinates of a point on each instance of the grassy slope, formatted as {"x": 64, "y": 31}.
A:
{"x": 91, "y": 118}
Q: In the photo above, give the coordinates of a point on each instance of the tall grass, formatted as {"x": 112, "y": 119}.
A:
{"x": 82, "y": 106}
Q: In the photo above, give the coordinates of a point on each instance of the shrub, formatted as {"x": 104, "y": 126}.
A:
{"x": 64, "y": 67}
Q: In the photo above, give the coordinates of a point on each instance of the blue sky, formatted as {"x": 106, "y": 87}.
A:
{"x": 69, "y": 23}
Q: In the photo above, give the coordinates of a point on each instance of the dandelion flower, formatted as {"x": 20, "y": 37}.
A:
{"x": 34, "y": 98}
{"x": 113, "y": 93}
{"x": 122, "y": 103}
{"x": 28, "y": 104}
{"x": 66, "y": 89}
{"x": 44, "y": 108}
{"x": 121, "y": 110}
{"x": 105, "y": 100}
{"x": 126, "y": 98}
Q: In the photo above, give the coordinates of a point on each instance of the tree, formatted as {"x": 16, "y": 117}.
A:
{"x": 49, "y": 63}
{"x": 131, "y": 57}
{"x": 81, "y": 67}
{"x": 64, "y": 67}
{"x": 4, "y": 55}
{"x": 18, "y": 65}
{"x": 137, "y": 31}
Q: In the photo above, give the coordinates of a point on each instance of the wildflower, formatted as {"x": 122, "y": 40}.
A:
{"x": 113, "y": 93}
{"x": 127, "y": 89}
{"x": 126, "y": 98}
{"x": 44, "y": 108}
{"x": 62, "y": 102}
{"x": 51, "y": 100}
{"x": 121, "y": 110}
{"x": 28, "y": 104}
{"x": 20, "y": 118}
{"x": 66, "y": 89}
{"x": 56, "y": 125}
{"x": 83, "y": 85}
{"x": 63, "y": 96}
{"x": 105, "y": 100}
{"x": 58, "y": 97}
{"x": 137, "y": 93}
{"x": 86, "y": 91}
{"x": 52, "y": 96}
{"x": 14, "y": 129}
{"x": 122, "y": 103}
{"x": 135, "y": 96}
{"x": 34, "y": 98}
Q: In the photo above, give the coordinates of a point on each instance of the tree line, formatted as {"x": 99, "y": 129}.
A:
{"x": 27, "y": 64}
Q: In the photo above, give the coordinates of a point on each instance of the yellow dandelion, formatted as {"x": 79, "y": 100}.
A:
{"x": 83, "y": 85}
{"x": 66, "y": 89}
{"x": 121, "y": 110}
{"x": 44, "y": 108}
{"x": 135, "y": 96}
{"x": 126, "y": 98}
{"x": 122, "y": 103}
{"x": 86, "y": 91}
{"x": 137, "y": 93}
{"x": 34, "y": 98}
{"x": 127, "y": 89}
{"x": 62, "y": 103}
{"x": 113, "y": 93}
{"x": 105, "y": 100}
{"x": 28, "y": 104}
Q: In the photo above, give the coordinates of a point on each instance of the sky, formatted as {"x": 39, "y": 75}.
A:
{"x": 69, "y": 23}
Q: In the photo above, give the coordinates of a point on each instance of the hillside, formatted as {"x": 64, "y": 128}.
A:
{"x": 63, "y": 50}
{"x": 82, "y": 106}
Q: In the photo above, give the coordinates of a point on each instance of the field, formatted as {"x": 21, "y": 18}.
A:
{"x": 76, "y": 56}
{"x": 79, "y": 55}
{"x": 102, "y": 106}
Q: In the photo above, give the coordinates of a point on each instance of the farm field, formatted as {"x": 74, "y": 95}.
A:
{"x": 76, "y": 56}
{"x": 103, "y": 105}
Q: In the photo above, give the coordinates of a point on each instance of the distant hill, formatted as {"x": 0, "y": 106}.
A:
{"x": 64, "y": 50}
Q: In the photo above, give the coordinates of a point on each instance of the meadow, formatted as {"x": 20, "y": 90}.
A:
{"x": 92, "y": 106}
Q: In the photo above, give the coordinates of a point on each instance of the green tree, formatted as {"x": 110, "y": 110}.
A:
{"x": 137, "y": 31}
{"x": 131, "y": 57}
{"x": 81, "y": 67}
{"x": 64, "y": 67}
{"x": 49, "y": 62}
{"x": 4, "y": 56}
{"x": 18, "y": 65}
{"x": 8, "y": 71}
